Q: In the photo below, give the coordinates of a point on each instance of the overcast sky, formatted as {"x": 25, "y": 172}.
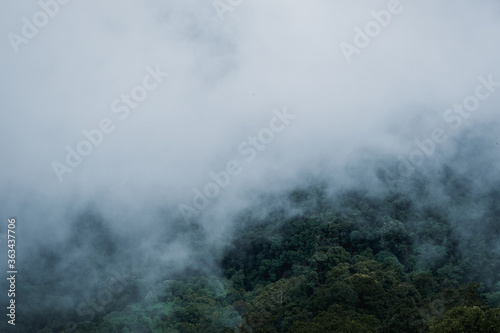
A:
{"x": 228, "y": 70}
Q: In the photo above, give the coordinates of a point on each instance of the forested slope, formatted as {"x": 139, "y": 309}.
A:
{"x": 344, "y": 262}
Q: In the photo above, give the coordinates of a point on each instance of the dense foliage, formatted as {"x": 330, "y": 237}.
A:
{"x": 349, "y": 262}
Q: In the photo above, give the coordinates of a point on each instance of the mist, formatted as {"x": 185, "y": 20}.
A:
{"x": 199, "y": 110}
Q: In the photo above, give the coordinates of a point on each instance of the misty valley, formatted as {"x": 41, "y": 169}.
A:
{"x": 233, "y": 166}
{"x": 422, "y": 257}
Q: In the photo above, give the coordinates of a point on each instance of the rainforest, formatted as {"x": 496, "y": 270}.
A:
{"x": 228, "y": 166}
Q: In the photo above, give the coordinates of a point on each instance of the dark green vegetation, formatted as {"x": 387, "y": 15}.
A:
{"x": 315, "y": 262}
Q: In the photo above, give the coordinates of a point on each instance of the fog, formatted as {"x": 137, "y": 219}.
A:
{"x": 349, "y": 116}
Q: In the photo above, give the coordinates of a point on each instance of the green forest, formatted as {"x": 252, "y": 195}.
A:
{"x": 310, "y": 260}
{"x": 239, "y": 166}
